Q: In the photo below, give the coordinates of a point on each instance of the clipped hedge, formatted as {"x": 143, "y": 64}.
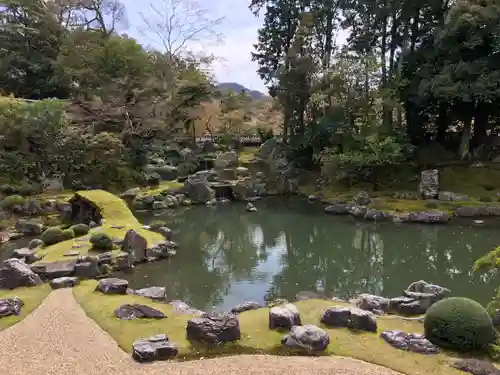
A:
{"x": 460, "y": 324}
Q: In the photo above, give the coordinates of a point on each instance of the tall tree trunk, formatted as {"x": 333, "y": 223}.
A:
{"x": 481, "y": 117}
{"x": 465, "y": 139}
{"x": 383, "y": 61}
{"x": 442, "y": 123}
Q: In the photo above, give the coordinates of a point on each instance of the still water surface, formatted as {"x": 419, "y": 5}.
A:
{"x": 227, "y": 256}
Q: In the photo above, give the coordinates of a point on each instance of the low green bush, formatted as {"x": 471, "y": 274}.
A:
{"x": 68, "y": 234}
{"x": 7, "y": 189}
{"x": 80, "y": 229}
{"x": 12, "y": 201}
{"x": 460, "y": 324}
{"x": 101, "y": 241}
{"x": 485, "y": 199}
{"x": 52, "y": 236}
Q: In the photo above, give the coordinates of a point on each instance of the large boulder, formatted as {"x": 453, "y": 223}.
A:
{"x": 267, "y": 148}
{"x": 154, "y": 348}
{"x": 135, "y": 245}
{"x": 371, "y": 302}
{"x": 429, "y": 184}
{"x": 15, "y": 273}
{"x": 227, "y": 160}
{"x": 336, "y": 317}
{"x": 353, "y": 318}
{"x": 131, "y": 193}
{"x": 29, "y": 227}
{"x": 112, "y": 285}
{"x": 64, "y": 282}
{"x": 310, "y": 338}
{"x": 244, "y": 188}
{"x": 198, "y": 188}
{"x": 211, "y": 329}
{"x": 285, "y": 316}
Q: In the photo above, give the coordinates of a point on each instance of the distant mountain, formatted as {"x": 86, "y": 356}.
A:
{"x": 236, "y": 87}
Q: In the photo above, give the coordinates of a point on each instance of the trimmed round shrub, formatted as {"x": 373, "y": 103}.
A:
{"x": 13, "y": 200}
{"x": 101, "y": 241}
{"x": 459, "y": 323}
{"x": 68, "y": 234}
{"x": 7, "y": 189}
{"x": 52, "y": 236}
{"x": 80, "y": 229}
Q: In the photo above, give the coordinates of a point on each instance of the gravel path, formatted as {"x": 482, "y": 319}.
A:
{"x": 58, "y": 338}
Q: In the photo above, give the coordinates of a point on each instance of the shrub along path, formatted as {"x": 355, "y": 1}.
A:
{"x": 59, "y": 338}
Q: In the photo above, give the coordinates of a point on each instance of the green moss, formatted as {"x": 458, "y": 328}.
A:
{"x": 256, "y": 337}
{"x": 12, "y": 200}
{"x": 164, "y": 185}
{"x": 247, "y": 155}
{"x": 32, "y": 298}
{"x": 118, "y": 219}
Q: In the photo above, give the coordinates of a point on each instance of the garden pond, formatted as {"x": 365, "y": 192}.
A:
{"x": 228, "y": 256}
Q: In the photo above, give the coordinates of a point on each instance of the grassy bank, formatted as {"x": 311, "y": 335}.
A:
{"x": 118, "y": 219}
{"x": 481, "y": 184}
{"x": 32, "y": 298}
{"x": 256, "y": 337}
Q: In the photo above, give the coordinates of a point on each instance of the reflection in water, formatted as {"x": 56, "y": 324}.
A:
{"x": 228, "y": 256}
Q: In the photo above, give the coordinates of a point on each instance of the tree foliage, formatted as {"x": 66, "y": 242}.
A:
{"x": 428, "y": 69}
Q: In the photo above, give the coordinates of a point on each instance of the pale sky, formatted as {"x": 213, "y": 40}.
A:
{"x": 239, "y": 31}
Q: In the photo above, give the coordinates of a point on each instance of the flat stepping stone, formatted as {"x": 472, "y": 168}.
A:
{"x": 112, "y": 285}
{"x": 135, "y": 311}
{"x": 412, "y": 342}
{"x": 64, "y": 282}
{"x": 10, "y": 306}
{"x": 154, "y": 348}
{"x": 72, "y": 254}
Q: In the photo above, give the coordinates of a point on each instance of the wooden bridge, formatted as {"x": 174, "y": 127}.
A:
{"x": 247, "y": 140}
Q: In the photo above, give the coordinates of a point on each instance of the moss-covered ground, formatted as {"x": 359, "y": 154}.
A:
{"x": 164, "y": 185}
{"x": 32, "y": 298}
{"x": 481, "y": 184}
{"x": 256, "y": 337}
{"x": 118, "y": 219}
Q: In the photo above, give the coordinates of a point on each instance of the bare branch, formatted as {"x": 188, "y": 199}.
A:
{"x": 177, "y": 23}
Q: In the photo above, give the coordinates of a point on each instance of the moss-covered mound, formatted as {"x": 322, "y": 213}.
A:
{"x": 118, "y": 219}
{"x": 32, "y": 298}
{"x": 459, "y": 323}
{"x": 255, "y": 335}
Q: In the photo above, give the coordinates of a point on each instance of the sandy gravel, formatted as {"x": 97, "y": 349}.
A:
{"x": 58, "y": 338}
